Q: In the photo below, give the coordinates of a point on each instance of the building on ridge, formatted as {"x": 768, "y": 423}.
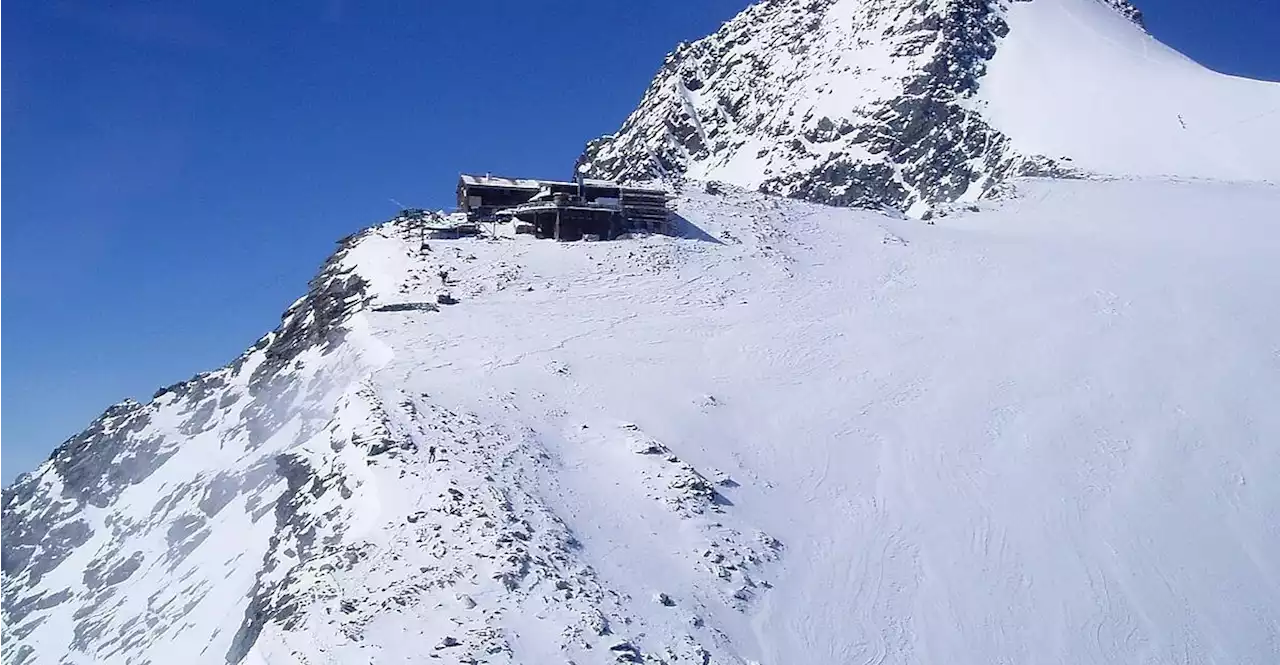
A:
{"x": 595, "y": 209}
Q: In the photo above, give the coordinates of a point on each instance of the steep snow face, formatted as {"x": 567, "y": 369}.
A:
{"x": 1038, "y": 431}
{"x": 144, "y": 535}
{"x": 911, "y": 104}
{"x": 1123, "y": 103}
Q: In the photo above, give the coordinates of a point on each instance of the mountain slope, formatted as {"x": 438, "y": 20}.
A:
{"x": 905, "y": 104}
{"x": 1123, "y": 103}
{"x": 1037, "y": 432}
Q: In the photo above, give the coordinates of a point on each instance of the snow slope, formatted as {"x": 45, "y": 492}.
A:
{"x": 1123, "y": 103}
{"x": 916, "y": 104}
{"x": 1036, "y": 432}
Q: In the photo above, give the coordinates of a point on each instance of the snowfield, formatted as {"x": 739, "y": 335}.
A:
{"x": 1040, "y": 431}
{"x": 1123, "y": 103}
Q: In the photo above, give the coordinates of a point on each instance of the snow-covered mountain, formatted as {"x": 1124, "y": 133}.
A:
{"x": 1039, "y": 431}
{"x": 912, "y": 104}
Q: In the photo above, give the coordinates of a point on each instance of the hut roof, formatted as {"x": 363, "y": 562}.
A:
{"x": 499, "y": 181}
{"x": 534, "y": 184}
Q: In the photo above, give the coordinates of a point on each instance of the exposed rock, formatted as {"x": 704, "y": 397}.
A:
{"x": 727, "y": 107}
{"x": 408, "y": 307}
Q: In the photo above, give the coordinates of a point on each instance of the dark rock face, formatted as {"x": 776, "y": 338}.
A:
{"x": 23, "y": 539}
{"x": 749, "y": 105}
{"x": 105, "y": 575}
{"x": 97, "y": 462}
{"x": 316, "y": 320}
{"x": 1128, "y": 10}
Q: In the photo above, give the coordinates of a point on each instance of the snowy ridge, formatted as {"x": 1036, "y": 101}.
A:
{"x": 134, "y": 499}
{"x": 839, "y": 437}
{"x": 906, "y": 104}
{"x": 305, "y": 510}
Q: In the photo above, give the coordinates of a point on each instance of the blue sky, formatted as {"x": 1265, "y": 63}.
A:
{"x": 177, "y": 171}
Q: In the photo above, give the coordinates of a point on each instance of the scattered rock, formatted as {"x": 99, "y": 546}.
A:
{"x": 408, "y": 307}
{"x": 648, "y": 447}
{"x": 768, "y": 541}
{"x": 663, "y": 599}
{"x": 892, "y": 239}
{"x": 626, "y": 652}
{"x": 723, "y": 479}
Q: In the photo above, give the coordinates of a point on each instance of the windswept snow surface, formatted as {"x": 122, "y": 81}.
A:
{"x": 1074, "y": 78}
{"x": 1040, "y": 432}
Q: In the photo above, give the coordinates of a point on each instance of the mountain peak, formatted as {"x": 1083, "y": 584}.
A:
{"x": 887, "y": 103}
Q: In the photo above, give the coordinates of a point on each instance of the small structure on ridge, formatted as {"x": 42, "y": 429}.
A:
{"x": 586, "y": 209}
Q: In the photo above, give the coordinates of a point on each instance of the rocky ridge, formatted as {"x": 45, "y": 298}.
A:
{"x": 843, "y": 102}
{"x": 290, "y": 502}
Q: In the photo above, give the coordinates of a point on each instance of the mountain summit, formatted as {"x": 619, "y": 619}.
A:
{"x": 911, "y": 104}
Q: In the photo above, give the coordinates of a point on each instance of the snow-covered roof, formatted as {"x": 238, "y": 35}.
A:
{"x": 532, "y": 183}
{"x": 499, "y": 181}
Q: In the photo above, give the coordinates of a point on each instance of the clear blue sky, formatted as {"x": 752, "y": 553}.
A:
{"x": 177, "y": 171}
